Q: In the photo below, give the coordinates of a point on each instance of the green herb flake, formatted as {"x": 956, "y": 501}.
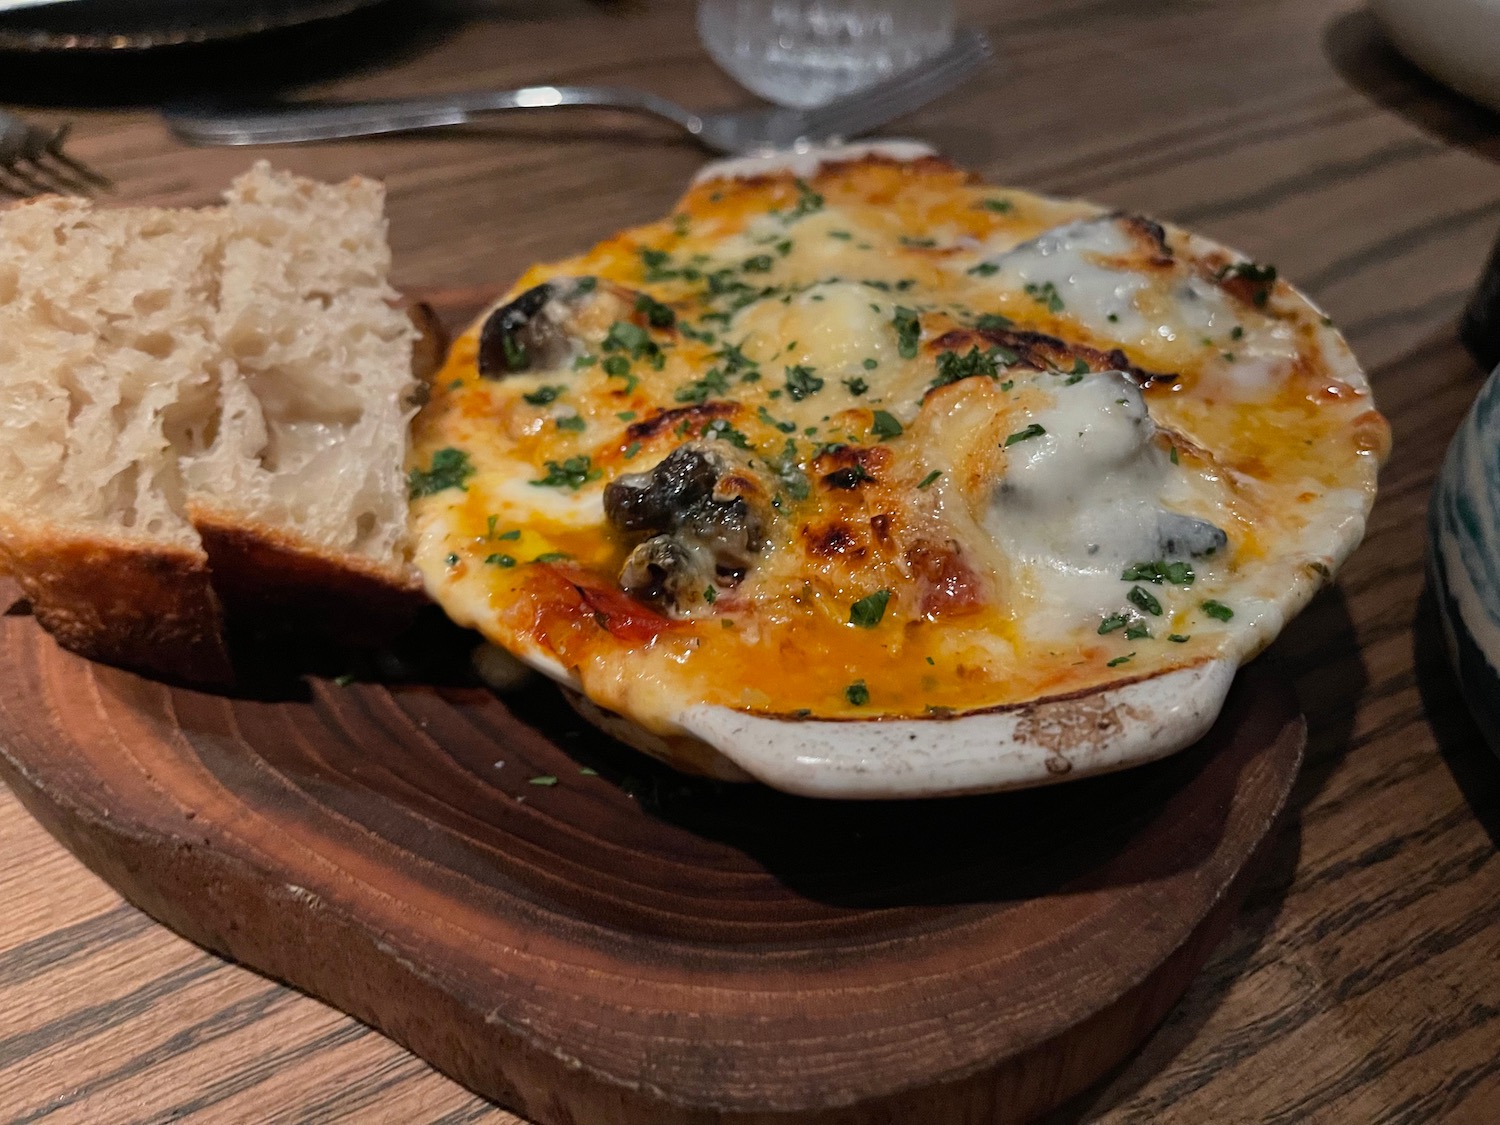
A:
{"x": 1159, "y": 571}
{"x": 712, "y": 383}
{"x": 1172, "y": 454}
{"x": 801, "y": 382}
{"x": 552, "y": 557}
{"x": 1117, "y": 661}
{"x": 1137, "y": 632}
{"x": 867, "y": 612}
{"x": 1007, "y": 385}
{"x": 856, "y": 385}
{"x": 1263, "y": 278}
{"x": 631, "y": 450}
{"x": 871, "y": 364}
{"x": 926, "y": 482}
{"x": 999, "y": 206}
{"x": 1178, "y": 638}
{"x": 710, "y": 595}
{"x": 344, "y": 680}
{"x": 573, "y": 422}
{"x": 1237, "y": 333}
{"x": 450, "y": 468}
{"x": 1217, "y": 610}
{"x": 1031, "y": 431}
{"x": 500, "y": 560}
{"x": 1112, "y": 622}
{"x": 509, "y": 536}
{"x": 808, "y": 201}
{"x": 658, "y": 315}
{"x": 908, "y": 331}
{"x": 573, "y": 473}
{"x": 761, "y": 263}
{"x": 984, "y": 269}
{"x": 993, "y": 322}
{"x": 1143, "y": 600}
{"x": 1046, "y": 294}
{"x": 841, "y": 234}
{"x": 546, "y": 781}
{"x": 885, "y": 425}
{"x": 784, "y": 427}
{"x": 543, "y": 395}
{"x": 857, "y": 693}
{"x": 617, "y": 367}
{"x": 951, "y": 366}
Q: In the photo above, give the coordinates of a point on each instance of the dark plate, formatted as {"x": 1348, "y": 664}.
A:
{"x": 124, "y": 26}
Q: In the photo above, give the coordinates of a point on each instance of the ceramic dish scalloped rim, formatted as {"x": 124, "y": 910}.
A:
{"x": 1029, "y": 744}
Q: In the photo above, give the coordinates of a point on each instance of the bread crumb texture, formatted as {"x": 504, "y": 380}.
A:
{"x": 249, "y": 359}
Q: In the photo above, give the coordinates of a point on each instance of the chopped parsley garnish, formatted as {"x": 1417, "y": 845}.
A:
{"x": 1137, "y": 631}
{"x": 1007, "y": 385}
{"x": 658, "y": 315}
{"x": 552, "y": 557}
{"x": 1046, "y": 294}
{"x": 721, "y": 429}
{"x": 1178, "y": 638}
{"x": 1217, "y": 610}
{"x": 500, "y": 560}
{"x": 918, "y": 243}
{"x": 886, "y": 425}
{"x": 857, "y": 694}
{"x": 926, "y": 481}
{"x": 784, "y": 427}
{"x": 656, "y": 262}
{"x": 543, "y": 395}
{"x": 450, "y": 468}
{"x": 1159, "y": 571}
{"x": 867, "y": 612}
{"x": 545, "y": 780}
{"x": 515, "y": 352}
{"x": 1172, "y": 454}
{"x": 801, "y": 382}
{"x": 758, "y": 264}
{"x": 631, "y": 450}
{"x": 572, "y": 422}
{"x": 843, "y": 234}
{"x": 710, "y": 595}
{"x": 573, "y": 473}
{"x": 856, "y": 385}
{"x": 908, "y": 331}
{"x": 734, "y": 360}
{"x": 1237, "y": 333}
{"x": 1112, "y": 622}
{"x": 1031, "y": 431}
{"x": 617, "y": 366}
{"x": 999, "y": 206}
{"x": 993, "y": 322}
{"x": 1142, "y": 599}
{"x": 626, "y": 415}
{"x": 984, "y": 269}
{"x": 1117, "y": 661}
{"x": 712, "y": 383}
{"x": 952, "y": 367}
{"x": 624, "y": 336}
{"x": 784, "y": 247}
{"x": 808, "y": 201}
{"x": 585, "y": 361}
{"x": 509, "y": 536}
{"x": 1079, "y": 367}
{"x": 871, "y": 364}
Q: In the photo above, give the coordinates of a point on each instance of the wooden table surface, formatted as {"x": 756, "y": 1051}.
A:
{"x": 1360, "y": 983}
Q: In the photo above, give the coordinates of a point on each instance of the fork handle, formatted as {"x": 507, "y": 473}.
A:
{"x": 325, "y": 121}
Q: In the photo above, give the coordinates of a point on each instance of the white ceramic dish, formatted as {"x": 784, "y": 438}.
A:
{"x": 1037, "y": 743}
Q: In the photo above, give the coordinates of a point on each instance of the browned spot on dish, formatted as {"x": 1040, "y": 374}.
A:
{"x": 834, "y": 540}
{"x": 696, "y": 416}
{"x": 1072, "y": 726}
{"x": 1043, "y": 352}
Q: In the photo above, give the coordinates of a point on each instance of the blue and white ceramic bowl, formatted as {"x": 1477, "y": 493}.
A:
{"x": 1464, "y": 556}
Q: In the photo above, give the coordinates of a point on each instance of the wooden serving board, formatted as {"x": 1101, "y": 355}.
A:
{"x": 625, "y": 946}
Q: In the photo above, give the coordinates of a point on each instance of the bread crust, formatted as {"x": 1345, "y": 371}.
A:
{"x": 270, "y": 580}
{"x": 123, "y": 601}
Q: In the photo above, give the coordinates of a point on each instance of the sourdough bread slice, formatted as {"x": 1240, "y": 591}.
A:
{"x": 203, "y": 407}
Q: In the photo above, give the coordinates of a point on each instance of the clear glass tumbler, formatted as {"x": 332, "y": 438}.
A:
{"x": 807, "y": 52}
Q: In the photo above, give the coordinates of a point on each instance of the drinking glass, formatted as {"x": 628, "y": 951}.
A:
{"x": 806, "y": 52}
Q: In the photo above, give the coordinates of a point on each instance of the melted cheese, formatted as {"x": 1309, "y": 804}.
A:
{"x": 993, "y": 448}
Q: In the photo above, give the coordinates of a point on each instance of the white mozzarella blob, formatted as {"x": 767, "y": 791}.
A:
{"x": 1079, "y": 503}
{"x": 1066, "y": 258}
{"x": 832, "y": 327}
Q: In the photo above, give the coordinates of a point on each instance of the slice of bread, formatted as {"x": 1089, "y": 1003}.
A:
{"x": 203, "y": 412}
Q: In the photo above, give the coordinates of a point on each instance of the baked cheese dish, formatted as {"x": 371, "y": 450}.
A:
{"x": 871, "y": 440}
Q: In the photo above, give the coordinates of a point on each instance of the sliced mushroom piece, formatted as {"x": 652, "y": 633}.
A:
{"x": 1188, "y": 537}
{"x": 531, "y": 332}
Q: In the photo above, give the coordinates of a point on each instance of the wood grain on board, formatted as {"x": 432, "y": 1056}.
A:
{"x": 1358, "y": 982}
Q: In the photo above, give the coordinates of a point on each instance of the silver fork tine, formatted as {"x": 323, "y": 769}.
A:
{"x": 894, "y": 96}
{"x": 32, "y": 161}
{"x": 53, "y": 147}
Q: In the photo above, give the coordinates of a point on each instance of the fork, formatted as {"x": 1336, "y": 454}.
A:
{"x": 732, "y": 132}
{"x": 32, "y": 161}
